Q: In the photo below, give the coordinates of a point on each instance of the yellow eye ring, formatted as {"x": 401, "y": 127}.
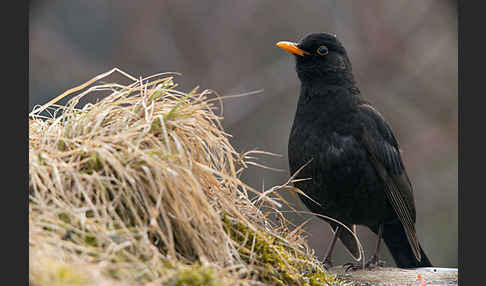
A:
{"x": 322, "y": 50}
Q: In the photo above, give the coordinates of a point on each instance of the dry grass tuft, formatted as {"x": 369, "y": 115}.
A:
{"x": 143, "y": 187}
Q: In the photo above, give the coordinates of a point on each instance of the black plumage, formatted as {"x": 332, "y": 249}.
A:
{"x": 354, "y": 162}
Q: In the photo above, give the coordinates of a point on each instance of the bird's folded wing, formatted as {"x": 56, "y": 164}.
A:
{"x": 384, "y": 152}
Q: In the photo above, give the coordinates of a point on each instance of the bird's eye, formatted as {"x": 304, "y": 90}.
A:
{"x": 322, "y": 50}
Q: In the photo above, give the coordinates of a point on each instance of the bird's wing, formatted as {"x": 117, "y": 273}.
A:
{"x": 384, "y": 152}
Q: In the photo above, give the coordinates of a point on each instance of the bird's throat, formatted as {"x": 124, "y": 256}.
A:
{"x": 322, "y": 100}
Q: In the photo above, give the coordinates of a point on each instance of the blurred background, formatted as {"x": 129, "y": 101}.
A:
{"x": 404, "y": 55}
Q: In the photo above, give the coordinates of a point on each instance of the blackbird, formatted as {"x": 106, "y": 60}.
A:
{"x": 350, "y": 156}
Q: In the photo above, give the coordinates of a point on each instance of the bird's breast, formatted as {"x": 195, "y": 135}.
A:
{"x": 338, "y": 171}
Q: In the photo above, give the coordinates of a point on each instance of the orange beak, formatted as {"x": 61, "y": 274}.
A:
{"x": 291, "y": 48}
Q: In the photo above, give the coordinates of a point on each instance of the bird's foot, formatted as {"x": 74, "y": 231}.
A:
{"x": 352, "y": 266}
{"x": 373, "y": 262}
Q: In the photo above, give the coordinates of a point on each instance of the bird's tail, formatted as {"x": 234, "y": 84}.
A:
{"x": 396, "y": 241}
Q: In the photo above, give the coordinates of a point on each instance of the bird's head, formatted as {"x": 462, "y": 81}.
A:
{"x": 320, "y": 57}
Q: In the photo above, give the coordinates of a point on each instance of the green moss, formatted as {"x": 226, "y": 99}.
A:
{"x": 64, "y": 217}
{"x": 91, "y": 240}
{"x": 61, "y": 274}
{"x": 280, "y": 264}
{"x": 114, "y": 273}
{"x": 195, "y": 275}
{"x": 70, "y": 276}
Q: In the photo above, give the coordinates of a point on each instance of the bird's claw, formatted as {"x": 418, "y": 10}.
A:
{"x": 352, "y": 266}
{"x": 372, "y": 263}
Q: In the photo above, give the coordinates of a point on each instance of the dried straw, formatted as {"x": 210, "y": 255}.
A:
{"x": 139, "y": 184}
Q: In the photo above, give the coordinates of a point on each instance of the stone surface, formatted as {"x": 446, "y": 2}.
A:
{"x": 388, "y": 276}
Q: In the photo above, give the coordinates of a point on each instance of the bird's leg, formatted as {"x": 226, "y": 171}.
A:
{"x": 375, "y": 259}
{"x": 327, "y": 259}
